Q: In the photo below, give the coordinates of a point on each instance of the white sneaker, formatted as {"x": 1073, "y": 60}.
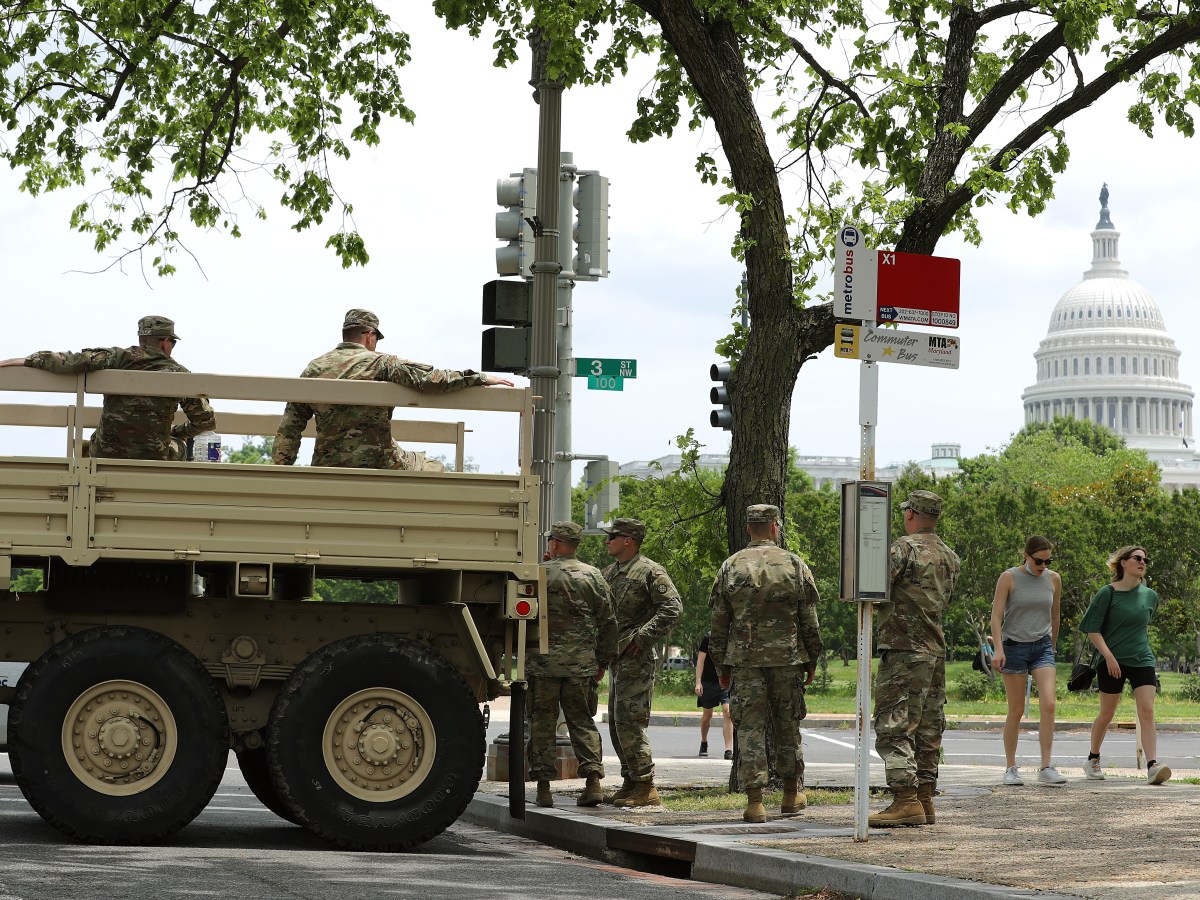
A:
{"x": 1012, "y": 775}
{"x": 1091, "y": 769}
{"x": 1051, "y": 775}
{"x": 1158, "y": 773}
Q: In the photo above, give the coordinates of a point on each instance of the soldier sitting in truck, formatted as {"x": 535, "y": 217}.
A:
{"x": 360, "y": 437}
{"x": 134, "y": 427}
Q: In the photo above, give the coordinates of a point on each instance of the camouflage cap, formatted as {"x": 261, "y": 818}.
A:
{"x": 363, "y": 318}
{"x": 628, "y": 527}
{"x": 927, "y": 503}
{"x": 156, "y": 326}
{"x": 761, "y": 513}
{"x": 571, "y": 532}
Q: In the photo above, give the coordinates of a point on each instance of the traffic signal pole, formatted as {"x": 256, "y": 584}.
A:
{"x": 543, "y": 352}
{"x": 561, "y": 492}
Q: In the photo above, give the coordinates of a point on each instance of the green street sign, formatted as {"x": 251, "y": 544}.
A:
{"x": 605, "y": 383}
{"x": 612, "y": 368}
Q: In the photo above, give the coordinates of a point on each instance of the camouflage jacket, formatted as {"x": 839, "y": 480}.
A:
{"x": 923, "y": 572}
{"x": 583, "y": 629}
{"x": 644, "y": 600}
{"x": 133, "y": 427}
{"x": 360, "y": 437}
{"x": 764, "y": 610}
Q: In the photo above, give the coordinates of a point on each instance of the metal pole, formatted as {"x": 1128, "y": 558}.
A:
{"x": 868, "y": 415}
{"x": 543, "y": 356}
{"x": 566, "y": 353}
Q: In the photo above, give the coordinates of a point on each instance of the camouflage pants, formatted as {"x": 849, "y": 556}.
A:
{"x": 759, "y": 695}
{"x": 910, "y": 698}
{"x": 546, "y": 694}
{"x": 632, "y": 689}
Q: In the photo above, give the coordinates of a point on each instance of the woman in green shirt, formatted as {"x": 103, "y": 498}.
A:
{"x": 1118, "y": 622}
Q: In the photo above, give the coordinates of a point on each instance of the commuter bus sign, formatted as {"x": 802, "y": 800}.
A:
{"x": 887, "y": 286}
{"x": 914, "y": 348}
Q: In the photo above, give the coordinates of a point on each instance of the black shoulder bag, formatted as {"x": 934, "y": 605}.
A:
{"x": 1082, "y": 674}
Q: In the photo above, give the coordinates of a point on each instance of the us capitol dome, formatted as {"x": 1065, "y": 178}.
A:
{"x": 1107, "y": 357}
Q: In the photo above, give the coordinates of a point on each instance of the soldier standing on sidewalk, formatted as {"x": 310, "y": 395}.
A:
{"x": 583, "y": 641}
{"x": 647, "y": 605}
{"x": 910, "y": 689}
{"x": 766, "y": 641}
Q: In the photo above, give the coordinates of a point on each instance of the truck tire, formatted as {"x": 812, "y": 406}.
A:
{"x": 256, "y": 769}
{"x": 156, "y": 747}
{"x": 376, "y": 743}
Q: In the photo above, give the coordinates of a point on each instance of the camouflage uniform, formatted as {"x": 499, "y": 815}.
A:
{"x": 135, "y": 427}
{"x": 583, "y": 642}
{"x": 647, "y": 605}
{"x": 360, "y": 437}
{"x": 910, "y": 687}
{"x": 764, "y": 626}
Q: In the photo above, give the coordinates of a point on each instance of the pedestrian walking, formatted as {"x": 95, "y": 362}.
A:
{"x": 1117, "y": 622}
{"x": 1025, "y": 622}
{"x": 710, "y": 695}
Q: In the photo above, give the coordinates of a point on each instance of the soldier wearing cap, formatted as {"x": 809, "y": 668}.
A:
{"x": 646, "y": 605}
{"x": 910, "y": 688}
{"x": 583, "y": 643}
{"x": 134, "y": 427}
{"x": 766, "y": 642}
{"x": 360, "y": 437}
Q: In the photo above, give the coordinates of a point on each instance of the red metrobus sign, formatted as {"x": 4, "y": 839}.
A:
{"x": 913, "y": 289}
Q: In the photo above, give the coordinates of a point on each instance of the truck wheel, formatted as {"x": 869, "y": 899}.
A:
{"x": 376, "y": 743}
{"x": 256, "y": 769}
{"x": 119, "y": 736}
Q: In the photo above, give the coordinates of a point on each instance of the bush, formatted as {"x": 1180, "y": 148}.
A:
{"x": 679, "y": 683}
{"x": 974, "y": 686}
{"x": 1189, "y": 688}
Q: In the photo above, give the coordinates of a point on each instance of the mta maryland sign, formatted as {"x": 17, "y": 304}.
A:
{"x": 914, "y": 348}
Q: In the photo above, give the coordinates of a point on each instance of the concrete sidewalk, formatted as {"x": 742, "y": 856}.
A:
{"x": 1113, "y": 840}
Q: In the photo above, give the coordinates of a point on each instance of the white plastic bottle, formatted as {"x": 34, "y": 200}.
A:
{"x": 206, "y": 447}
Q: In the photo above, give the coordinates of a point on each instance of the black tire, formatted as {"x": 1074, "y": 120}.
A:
{"x": 376, "y": 743}
{"x": 256, "y": 769}
{"x": 157, "y": 748}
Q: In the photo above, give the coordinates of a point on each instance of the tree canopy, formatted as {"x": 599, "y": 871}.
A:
{"x": 904, "y": 117}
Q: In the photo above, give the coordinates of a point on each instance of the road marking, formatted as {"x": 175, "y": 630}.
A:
{"x": 821, "y": 737}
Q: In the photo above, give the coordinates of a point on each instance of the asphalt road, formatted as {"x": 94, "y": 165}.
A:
{"x": 1181, "y": 750}
{"x": 236, "y": 848}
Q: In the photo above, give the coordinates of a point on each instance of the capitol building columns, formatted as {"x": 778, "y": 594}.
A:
{"x": 1108, "y": 358}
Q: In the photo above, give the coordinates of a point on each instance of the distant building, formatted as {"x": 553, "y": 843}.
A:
{"x": 823, "y": 469}
{"x": 1107, "y": 357}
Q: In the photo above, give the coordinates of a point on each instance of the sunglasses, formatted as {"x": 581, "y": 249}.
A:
{"x": 1137, "y": 557}
{"x": 613, "y": 537}
{"x": 1041, "y": 562}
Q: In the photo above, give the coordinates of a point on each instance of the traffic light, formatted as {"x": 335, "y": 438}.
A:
{"x": 603, "y": 493}
{"x": 507, "y": 303}
{"x": 590, "y": 231}
{"x": 723, "y": 417}
{"x": 518, "y": 193}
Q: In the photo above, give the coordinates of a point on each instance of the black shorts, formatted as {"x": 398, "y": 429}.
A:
{"x": 713, "y": 695}
{"x": 1139, "y": 676}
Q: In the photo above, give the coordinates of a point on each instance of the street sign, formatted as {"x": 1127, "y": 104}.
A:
{"x": 914, "y": 348}
{"x": 605, "y": 383}
{"x": 615, "y": 368}
{"x": 887, "y": 286}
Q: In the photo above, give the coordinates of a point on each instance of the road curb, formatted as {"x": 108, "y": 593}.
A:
{"x": 728, "y": 859}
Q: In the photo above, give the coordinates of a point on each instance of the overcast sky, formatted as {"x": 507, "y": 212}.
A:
{"x": 425, "y": 202}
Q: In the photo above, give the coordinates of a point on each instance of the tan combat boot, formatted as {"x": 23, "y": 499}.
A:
{"x": 925, "y": 795}
{"x": 793, "y": 798}
{"x": 544, "y": 797}
{"x": 592, "y": 793}
{"x": 623, "y": 792}
{"x": 905, "y": 810}
{"x": 644, "y": 794}
{"x": 755, "y": 811}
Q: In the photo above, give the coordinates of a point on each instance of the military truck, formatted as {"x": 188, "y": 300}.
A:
{"x": 178, "y": 616}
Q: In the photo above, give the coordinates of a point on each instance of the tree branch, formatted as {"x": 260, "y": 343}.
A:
{"x": 134, "y": 62}
{"x": 828, "y": 78}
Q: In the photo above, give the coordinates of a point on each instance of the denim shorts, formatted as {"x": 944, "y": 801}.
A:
{"x": 1020, "y": 657}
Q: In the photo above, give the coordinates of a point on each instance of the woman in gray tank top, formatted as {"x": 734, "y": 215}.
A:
{"x": 1025, "y": 613}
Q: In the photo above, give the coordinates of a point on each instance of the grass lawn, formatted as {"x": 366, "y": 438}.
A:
{"x": 674, "y": 694}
